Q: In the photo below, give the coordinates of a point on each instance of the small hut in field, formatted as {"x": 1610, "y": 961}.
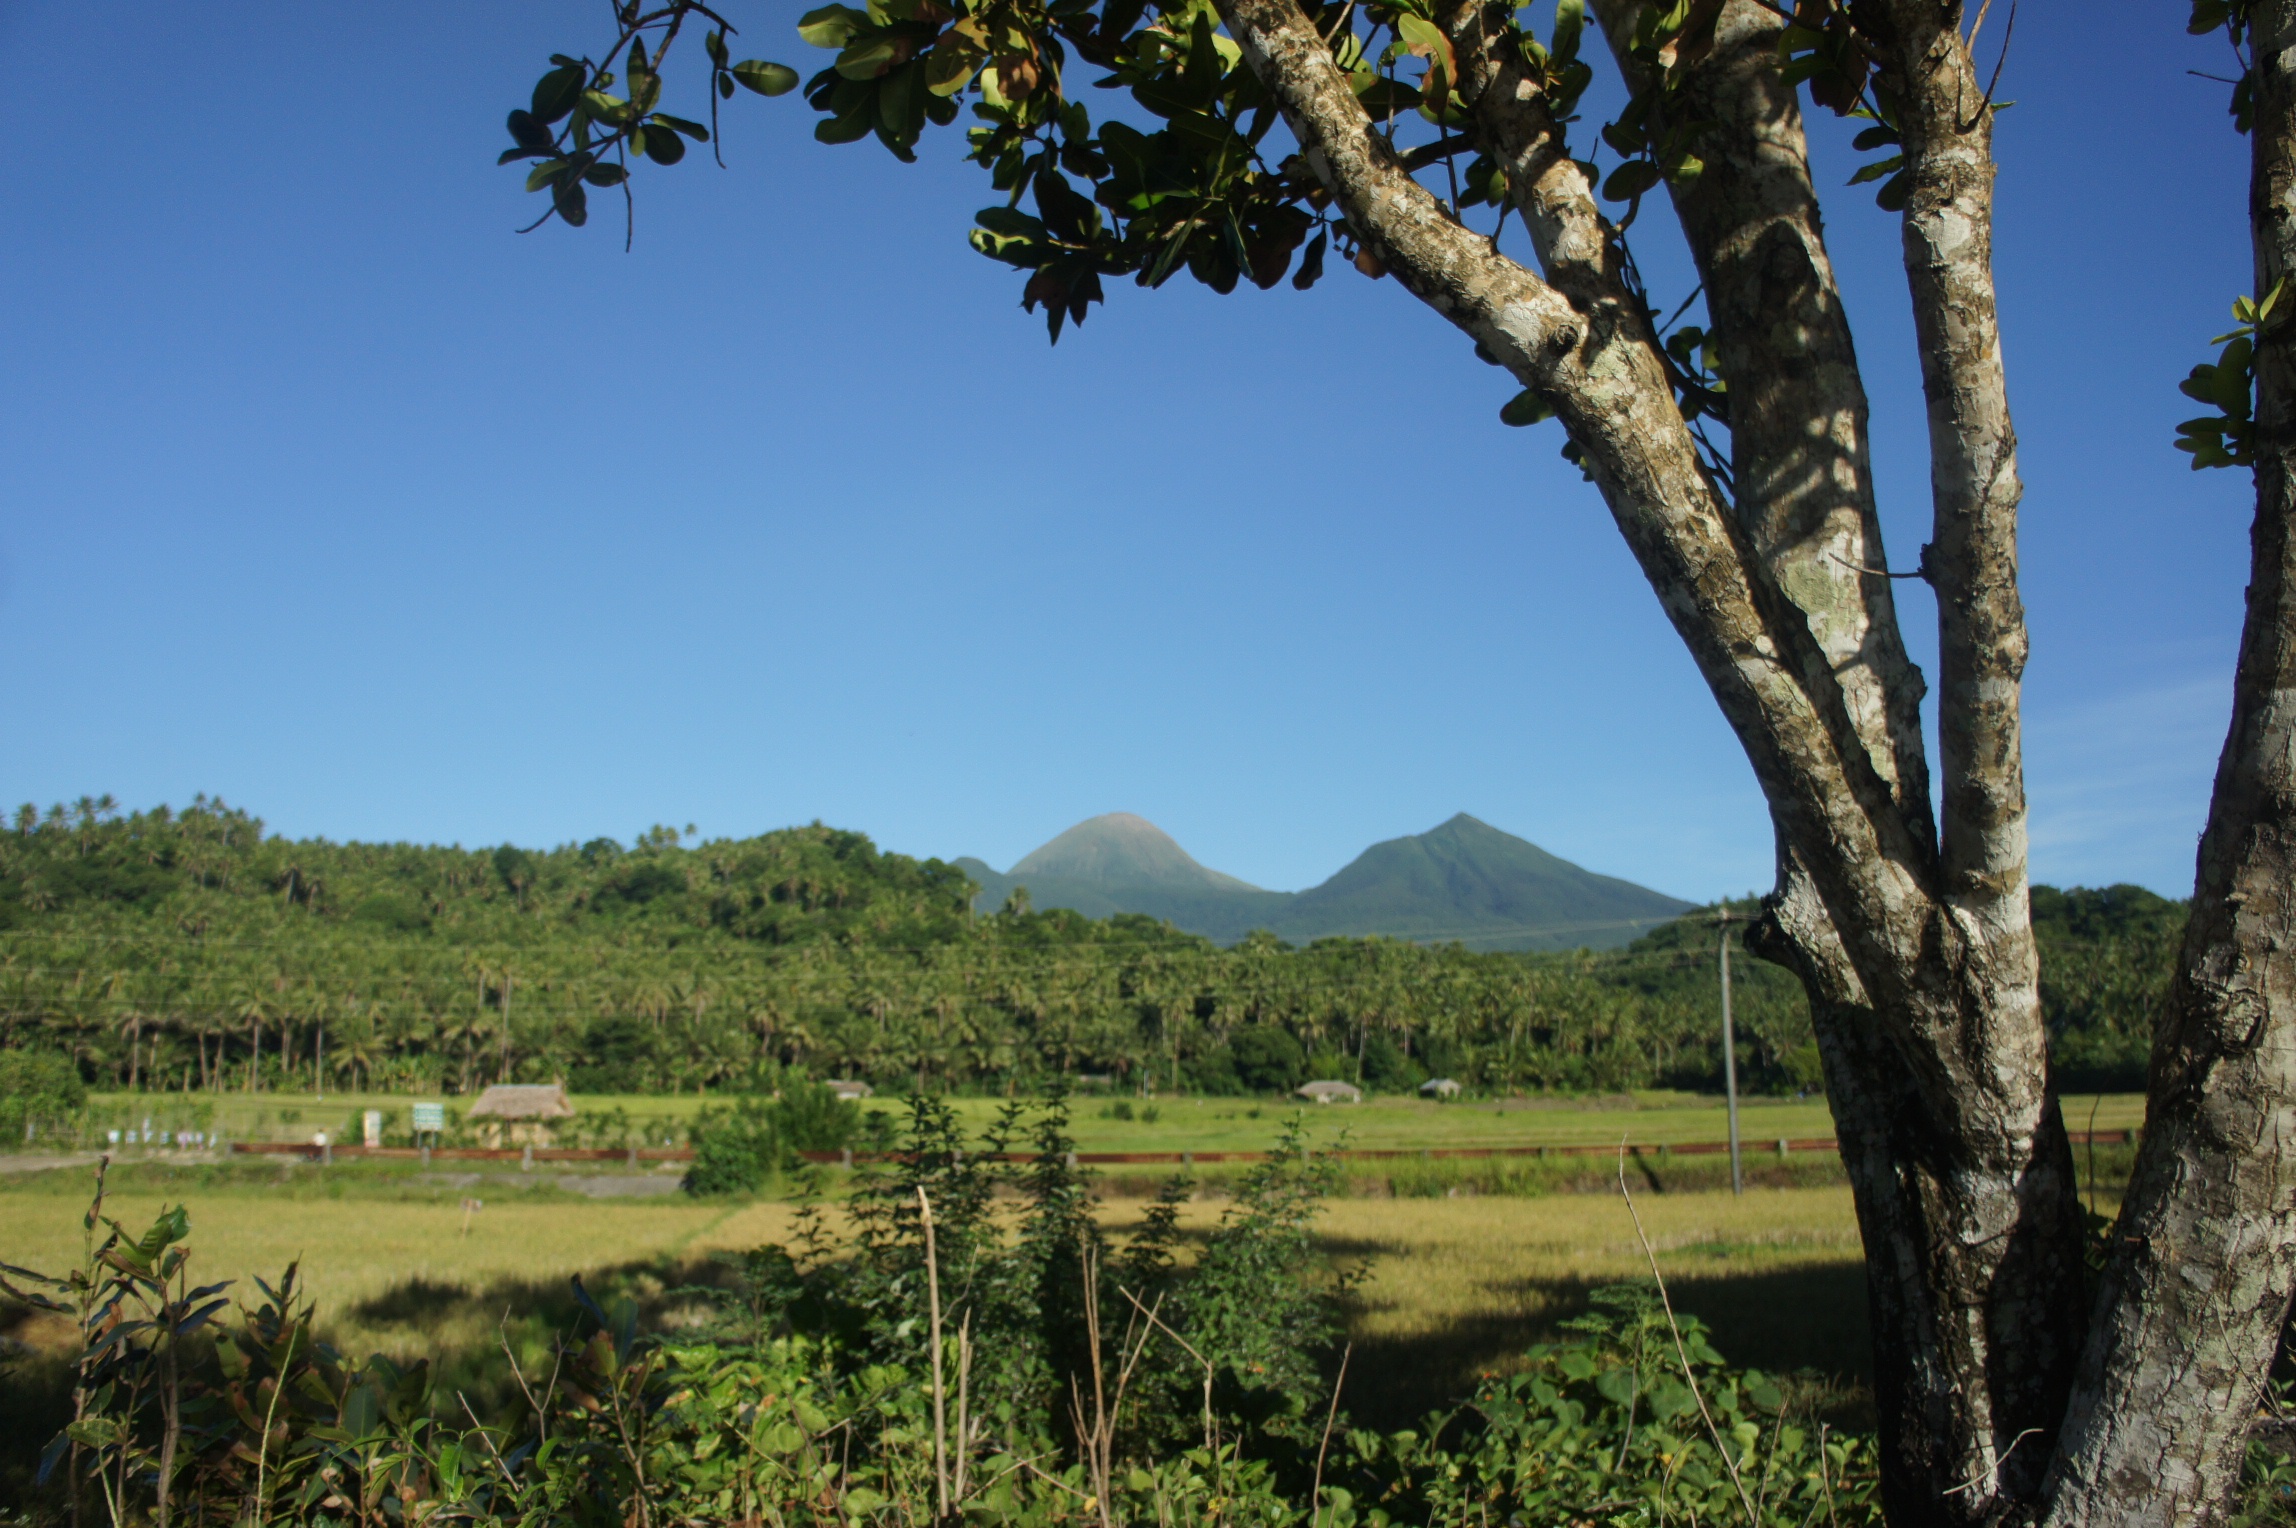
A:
{"x": 519, "y": 1114}
{"x": 1330, "y": 1092}
{"x": 1439, "y": 1087}
{"x": 849, "y": 1090}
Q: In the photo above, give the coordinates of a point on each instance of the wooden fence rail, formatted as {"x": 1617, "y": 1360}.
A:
{"x": 634, "y": 1156}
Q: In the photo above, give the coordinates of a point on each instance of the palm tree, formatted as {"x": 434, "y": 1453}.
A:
{"x": 357, "y": 1055}
{"x": 254, "y": 1012}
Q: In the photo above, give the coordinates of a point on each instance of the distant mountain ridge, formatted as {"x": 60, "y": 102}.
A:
{"x": 1463, "y": 880}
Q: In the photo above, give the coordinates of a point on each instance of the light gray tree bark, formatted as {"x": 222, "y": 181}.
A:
{"x": 1911, "y": 932}
{"x": 2203, "y": 1257}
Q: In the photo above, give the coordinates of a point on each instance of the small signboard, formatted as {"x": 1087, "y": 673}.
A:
{"x": 430, "y": 1117}
{"x": 371, "y": 1127}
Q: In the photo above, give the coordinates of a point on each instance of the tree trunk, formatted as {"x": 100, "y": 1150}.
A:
{"x": 2203, "y": 1258}
{"x": 1918, "y": 952}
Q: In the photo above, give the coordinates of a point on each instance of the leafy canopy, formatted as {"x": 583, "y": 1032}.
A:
{"x": 1181, "y": 170}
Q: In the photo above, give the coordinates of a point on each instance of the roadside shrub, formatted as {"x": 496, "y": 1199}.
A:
{"x": 811, "y": 1117}
{"x": 735, "y": 1151}
{"x": 738, "y": 1151}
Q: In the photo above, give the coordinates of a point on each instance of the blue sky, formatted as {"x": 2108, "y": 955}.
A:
{"x": 326, "y": 492}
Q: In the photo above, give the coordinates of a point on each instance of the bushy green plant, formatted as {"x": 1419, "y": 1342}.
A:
{"x": 40, "y": 1092}
{"x": 735, "y": 1150}
{"x": 1635, "y": 1419}
{"x": 738, "y": 1150}
{"x": 811, "y": 1117}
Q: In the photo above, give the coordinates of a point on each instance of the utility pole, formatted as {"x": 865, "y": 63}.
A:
{"x": 507, "y": 983}
{"x": 1730, "y": 1057}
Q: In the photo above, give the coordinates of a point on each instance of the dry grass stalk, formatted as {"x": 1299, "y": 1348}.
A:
{"x": 1315, "y": 1496}
{"x": 1682, "y": 1353}
{"x": 933, "y": 1305}
{"x": 1096, "y": 1434}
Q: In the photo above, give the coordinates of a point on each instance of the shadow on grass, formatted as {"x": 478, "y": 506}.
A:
{"x": 468, "y": 1334}
{"x": 1808, "y": 1321}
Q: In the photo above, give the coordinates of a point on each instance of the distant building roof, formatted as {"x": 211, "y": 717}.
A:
{"x": 523, "y": 1101}
{"x": 1439, "y": 1087}
{"x": 846, "y": 1087}
{"x": 1330, "y": 1092}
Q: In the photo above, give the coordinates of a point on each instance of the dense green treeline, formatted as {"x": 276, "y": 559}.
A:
{"x": 187, "y": 950}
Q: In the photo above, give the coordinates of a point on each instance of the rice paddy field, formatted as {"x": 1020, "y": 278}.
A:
{"x": 1447, "y": 1287}
{"x": 1458, "y": 1264}
{"x": 1133, "y": 1124}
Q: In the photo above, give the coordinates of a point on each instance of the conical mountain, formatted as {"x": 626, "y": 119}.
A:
{"x": 1464, "y": 881}
{"x": 1119, "y": 863}
{"x": 1468, "y": 881}
{"x": 1119, "y": 849}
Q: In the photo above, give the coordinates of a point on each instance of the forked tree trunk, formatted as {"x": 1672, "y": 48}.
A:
{"x": 1911, "y": 934}
{"x": 1918, "y": 938}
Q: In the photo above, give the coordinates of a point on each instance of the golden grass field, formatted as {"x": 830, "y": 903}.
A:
{"x": 1448, "y": 1287}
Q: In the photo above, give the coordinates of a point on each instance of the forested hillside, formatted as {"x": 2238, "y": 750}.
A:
{"x": 189, "y": 950}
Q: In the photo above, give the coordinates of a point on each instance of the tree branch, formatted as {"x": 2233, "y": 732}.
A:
{"x": 1973, "y": 472}
{"x": 1752, "y": 222}
{"x": 1580, "y": 341}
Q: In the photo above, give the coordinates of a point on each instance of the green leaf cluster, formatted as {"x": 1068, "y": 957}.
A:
{"x": 2227, "y": 437}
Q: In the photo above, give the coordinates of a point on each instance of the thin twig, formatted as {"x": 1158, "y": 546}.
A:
{"x": 1315, "y": 1497}
{"x": 1054, "y": 1480}
{"x": 271, "y": 1411}
{"x": 518, "y": 1372}
{"x": 964, "y": 1397}
{"x": 1992, "y": 1472}
{"x": 1986, "y": 105}
{"x": 1681, "y": 1352}
{"x": 1826, "y": 1479}
{"x": 2092, "y": 1133}
{"x": 1983, "y": 10}
{"x": 1442, "y": 148}
{"x": 1209, "y": 1441}
{"x": 1876, "y": 572}
{"x": 933, "y": 1300}
{"x": 484, "y": 1437}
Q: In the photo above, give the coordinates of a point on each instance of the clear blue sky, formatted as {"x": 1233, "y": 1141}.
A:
{"x": 326, "y": 492}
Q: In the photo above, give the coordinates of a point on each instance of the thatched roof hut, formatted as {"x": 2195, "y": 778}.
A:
{"x": 849, "y": 1090}
{"x": 1439, "y": 1087}
{"x": 523, "y": 1101}
{"x": 1330, "y": 1092}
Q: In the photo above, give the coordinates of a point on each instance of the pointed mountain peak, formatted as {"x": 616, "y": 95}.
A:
{"x": 1120, "y": 849}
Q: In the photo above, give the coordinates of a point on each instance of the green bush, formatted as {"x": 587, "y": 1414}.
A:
{"x": 738, "y": 1151}
{"x": 811, "y": 1117}
{"x": 735, "y": 1151}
